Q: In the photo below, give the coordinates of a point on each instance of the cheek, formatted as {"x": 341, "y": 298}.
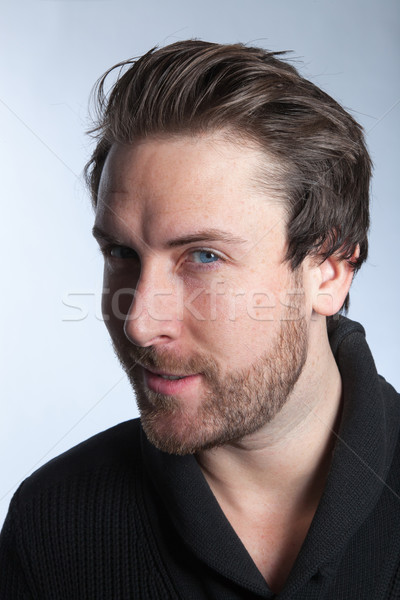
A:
{"x": 208, "y": 304}
{"x": 230, "y": 321}
{"x": 247, "y": 314}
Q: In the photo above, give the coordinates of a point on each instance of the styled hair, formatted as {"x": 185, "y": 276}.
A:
{"x": 193, "y": 86}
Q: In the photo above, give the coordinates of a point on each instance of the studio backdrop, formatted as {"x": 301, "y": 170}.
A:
{"x": 60, "y": 381}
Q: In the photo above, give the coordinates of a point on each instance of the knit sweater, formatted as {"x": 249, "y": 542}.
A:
{"x": 114, "y": 518}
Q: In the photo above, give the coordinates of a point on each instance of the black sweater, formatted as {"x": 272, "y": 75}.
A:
{"x": 116, "y": 519}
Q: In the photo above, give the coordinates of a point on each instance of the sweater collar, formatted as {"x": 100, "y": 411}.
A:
{"x": 361, "y": 459}
{"x": 198, "y": 518}
{"x": 363, "y": 452}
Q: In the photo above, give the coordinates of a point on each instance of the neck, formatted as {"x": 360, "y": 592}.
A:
{"x": 287, "y": 461}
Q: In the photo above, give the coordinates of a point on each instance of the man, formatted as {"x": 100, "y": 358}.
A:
{"x": 231, "y": 201}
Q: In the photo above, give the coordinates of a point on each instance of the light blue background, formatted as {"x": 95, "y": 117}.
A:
{"x": 59, "y": 378}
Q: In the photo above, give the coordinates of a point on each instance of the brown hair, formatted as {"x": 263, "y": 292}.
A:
{"x": 195, "y": 86}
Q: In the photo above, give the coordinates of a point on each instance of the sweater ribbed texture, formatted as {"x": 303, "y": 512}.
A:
{"x": 83, "y": 537}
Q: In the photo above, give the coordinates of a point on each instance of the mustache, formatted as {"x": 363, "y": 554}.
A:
{"x": 164, "y": 359}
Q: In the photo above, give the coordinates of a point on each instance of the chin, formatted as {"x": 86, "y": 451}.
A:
{"x": 173, "y": 435}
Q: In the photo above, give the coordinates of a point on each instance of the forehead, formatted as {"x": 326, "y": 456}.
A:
{"x": 161, "y": 183}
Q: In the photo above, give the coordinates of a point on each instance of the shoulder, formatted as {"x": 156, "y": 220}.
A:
{"x": 115, "y": 451}
{"x": 81, "y": 521}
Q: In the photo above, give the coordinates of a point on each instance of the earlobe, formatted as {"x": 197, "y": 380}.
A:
{"x": 334, "y": 277}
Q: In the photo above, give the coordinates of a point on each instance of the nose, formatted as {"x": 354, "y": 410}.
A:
{"x": 153, "y": 316}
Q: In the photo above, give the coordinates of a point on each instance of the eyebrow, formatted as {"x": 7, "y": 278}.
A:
{"x": 100, "y": 234}
{"x": 206, "y": 235}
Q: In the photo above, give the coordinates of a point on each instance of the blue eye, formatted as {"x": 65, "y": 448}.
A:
{"x": 122, "y": 252}
{"x": 204, "y": 256}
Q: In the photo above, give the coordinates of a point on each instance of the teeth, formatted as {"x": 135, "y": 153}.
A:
{"x": 171, "y": 377}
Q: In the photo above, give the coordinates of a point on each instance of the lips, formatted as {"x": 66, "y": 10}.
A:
{"x": 162, "y": 372}
{"x": 168, "y": 383}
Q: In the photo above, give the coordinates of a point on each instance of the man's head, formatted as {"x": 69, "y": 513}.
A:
{"x": 231, "y": 200}
{"x": 195, "y": 87}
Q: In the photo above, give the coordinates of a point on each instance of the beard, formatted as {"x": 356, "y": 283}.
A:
{"x": 232, "y": 406}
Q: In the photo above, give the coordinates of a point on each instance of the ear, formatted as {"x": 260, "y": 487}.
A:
{"x": 332, "y": 280}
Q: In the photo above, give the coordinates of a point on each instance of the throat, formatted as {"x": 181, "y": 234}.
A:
{"x": 271, "y": 522}
{"x": 272, "y": 539}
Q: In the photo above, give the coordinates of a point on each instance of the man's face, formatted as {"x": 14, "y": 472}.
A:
{"x": 195, "y": 287}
